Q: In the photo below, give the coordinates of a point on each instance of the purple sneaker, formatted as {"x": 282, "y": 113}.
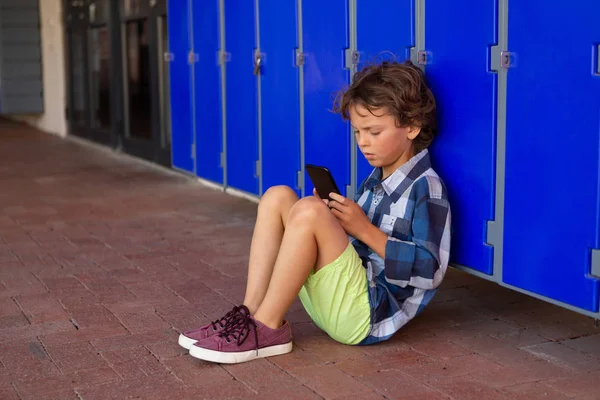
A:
{"x": 244, "y": 340}
{"x": 188, "y": 338}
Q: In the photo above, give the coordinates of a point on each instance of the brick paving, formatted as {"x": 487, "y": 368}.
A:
{"x": 104, "y": 260}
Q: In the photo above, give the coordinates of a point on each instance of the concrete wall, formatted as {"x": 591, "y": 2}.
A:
{"x": 53, "y": 69}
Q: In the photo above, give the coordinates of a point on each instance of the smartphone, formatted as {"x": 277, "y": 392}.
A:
{"x": 322, "y": 180}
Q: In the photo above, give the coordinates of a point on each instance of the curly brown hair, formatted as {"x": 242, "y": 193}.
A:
{"x": 399, "y": 87}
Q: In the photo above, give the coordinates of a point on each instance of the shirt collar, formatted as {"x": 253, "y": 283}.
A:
{"x": 393, "y": 181}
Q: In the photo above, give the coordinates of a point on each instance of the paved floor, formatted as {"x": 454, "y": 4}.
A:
{"x": 103, "y": 260}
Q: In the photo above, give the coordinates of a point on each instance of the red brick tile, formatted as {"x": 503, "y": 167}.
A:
{"x": 13, "y": 321}
{"x": 148, "y": 388}
{"x": 439, "y": 348}
{"x": 109, "y": 291}
{"x": 153, "y": 292}
{"x": 194, "y": 372}
{"x": 41, "y": 308}
{"x": 65, "y": 287}
{"x": 127, "y": 341}
{"x": 563, "y": 356}
{"x": 533, "y": 391}
{"x": 182, "y": 317}
{"x": 328, "y": 350}
{"x": 465, "y": 389}
{"x": 491, "y": 326}
{"x": 395, "y": 385}
{"x": 25, "y": 359}
{"x": 166, "y": 350}
{"x": 27, "y": 285}
{"x": 234, "y": 390}
{"x": 297, "y": 358}
{"x": 141, "y": 321}
{"x": 372, "y": 395}
{"x": 92, "y": 316}
{"x": 29, "y": 331}
{"x": 520, "y": 338}
{"x": 514, "y": 375}
{"x": 328, "y": 381}
{"x": 134, "y": 362}
{"x": 265, "y": 378}
{"x": 586, "y": 344}
{"x": 58, "y": 386}
{"x": 83, "y": 334}
{"x": 579, "y": 386}
{"x": 8, "y": 393}
{"x": 451, "y": 368}
{"x": 75, "y": 356}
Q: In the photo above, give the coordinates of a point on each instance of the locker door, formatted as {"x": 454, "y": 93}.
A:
{"x": 463, "y": 152}
{"x": 327, "y": 137}
{"x": 207, "y": 77}
{"x": 553, "y": 120}
{"x": 241, "y": 96}
{"x": 384, "y": 30}
{"x": 181, "y": 93}
{"x": 280, "y": 108}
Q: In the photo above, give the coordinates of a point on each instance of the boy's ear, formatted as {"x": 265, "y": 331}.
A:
{"x": 413, "y": 132}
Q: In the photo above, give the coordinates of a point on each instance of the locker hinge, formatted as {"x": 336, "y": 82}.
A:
{"x": 419, "y": 57}
{"x": 257, "y": 169}
{"x": 299, "y": 58}
{"x": 493, "y": 236}
{"x": 596, "y": 59}
{"x": 168, "y": 57}
{"x": 300, "y": 180}
{"x": 595, "y": 270}
{"x": 193, "y": 155}
{"x": 192, "y": 57}
{"x": 501, "y": 59}
{"x": 223, "y": 57}
{"x": 223, "y": 161}
{"x": 352, "y": 58}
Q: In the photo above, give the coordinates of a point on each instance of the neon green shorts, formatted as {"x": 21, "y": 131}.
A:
{"x": 336, "y": 298}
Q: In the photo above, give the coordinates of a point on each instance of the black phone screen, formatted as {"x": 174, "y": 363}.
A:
{"x": 322, "y": 180}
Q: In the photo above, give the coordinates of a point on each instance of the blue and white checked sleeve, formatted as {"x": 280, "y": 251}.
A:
{"x": 422, "y": 259}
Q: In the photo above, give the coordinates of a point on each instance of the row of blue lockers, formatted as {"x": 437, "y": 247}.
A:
{"x": 519, "y": 138}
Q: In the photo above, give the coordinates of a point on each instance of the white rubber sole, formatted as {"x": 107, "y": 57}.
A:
{"x": 185, "y": 341}
{"x": 239, "y": 357}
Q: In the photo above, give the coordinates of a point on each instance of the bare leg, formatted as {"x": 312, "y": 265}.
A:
{"x": 313, "y": 238}
{"x": 273, "y": 211}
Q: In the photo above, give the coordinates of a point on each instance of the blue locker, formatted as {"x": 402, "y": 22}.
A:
{"x": 181, "y": 93}
{"x": 280, "y": 106}
{"x": 384, "y": 30}
{"x": 463, "y": 153}
{"x": 241, "y": 97}
{"x": 207, "y": 79}
{"x": 553, "y": 120}
{"x": 327, "y": 136}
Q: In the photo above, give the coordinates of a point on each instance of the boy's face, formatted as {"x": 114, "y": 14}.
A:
{"x": 382, "y": 143}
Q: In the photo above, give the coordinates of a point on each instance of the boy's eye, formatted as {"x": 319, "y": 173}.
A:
{"x": 375, "y": 133}
{"x": 356, "y": 132}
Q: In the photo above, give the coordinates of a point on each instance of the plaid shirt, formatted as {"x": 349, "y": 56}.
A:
{"x": 411, "y": 207}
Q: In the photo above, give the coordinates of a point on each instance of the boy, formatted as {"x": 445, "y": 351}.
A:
{"x": 362, "y": 269}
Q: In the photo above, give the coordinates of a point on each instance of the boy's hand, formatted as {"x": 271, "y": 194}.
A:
{"x": 351, "y": 216}
{"x": 326, "y": 201}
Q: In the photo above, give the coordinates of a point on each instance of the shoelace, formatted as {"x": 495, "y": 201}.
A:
{"x": 239, "y": 330}
{"x": 231, "y": 316}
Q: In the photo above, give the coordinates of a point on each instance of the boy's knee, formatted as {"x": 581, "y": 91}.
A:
{"x": 309, "y": 209}
{"x": 276, "y": 195}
